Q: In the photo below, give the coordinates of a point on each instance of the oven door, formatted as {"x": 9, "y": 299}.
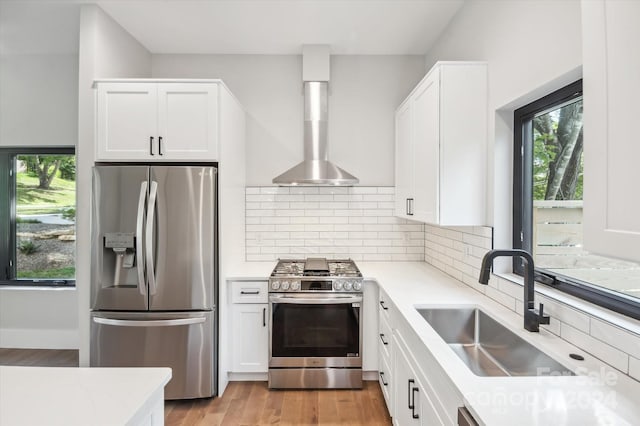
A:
{"x": 315, "y": 330}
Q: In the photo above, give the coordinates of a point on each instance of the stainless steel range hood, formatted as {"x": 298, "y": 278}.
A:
{"x": 316, "y": 169}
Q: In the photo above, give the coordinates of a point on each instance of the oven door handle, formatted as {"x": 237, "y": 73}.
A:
{"x": 316, "y": 300}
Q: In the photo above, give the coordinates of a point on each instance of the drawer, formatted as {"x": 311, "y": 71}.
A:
{"x": 385, "y": 338}
{"x": 384, "y": 306}
{"x": 250, "y": 292}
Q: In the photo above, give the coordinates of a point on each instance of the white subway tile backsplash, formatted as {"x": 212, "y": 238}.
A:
{"x": 616, "y": 337}
{"x": 634, "y": 368}
{"x": 353, "y": 222}
{"x": 612, "y": 356}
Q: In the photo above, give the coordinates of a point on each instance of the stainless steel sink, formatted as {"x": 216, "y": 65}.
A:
{"x": 487, "y": 347}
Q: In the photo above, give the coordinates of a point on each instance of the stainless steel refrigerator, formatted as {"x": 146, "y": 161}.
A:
{"x": 154, "y": 273}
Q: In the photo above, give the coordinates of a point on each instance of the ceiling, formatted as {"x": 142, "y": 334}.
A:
{"x": 353, "y": 27}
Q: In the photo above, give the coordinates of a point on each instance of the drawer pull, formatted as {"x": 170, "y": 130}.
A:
{"x": 382, "y": 304}
{"x": 382, "y": 379}
{"x": 382, "y": 338}
{"x": 413, "y": 403}
{"x": 249, "y": 292}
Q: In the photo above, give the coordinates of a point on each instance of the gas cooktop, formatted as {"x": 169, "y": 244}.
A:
{"x": 315, "y": 274}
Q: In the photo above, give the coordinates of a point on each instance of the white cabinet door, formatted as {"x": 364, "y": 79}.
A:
{"x": 404, "y": 170}
{"x": 126, "y": 121}
{"x": 441, "y": 150}
{"x": 188, "y": 121}
{"x": 250, "y": 334}
{"x": 413, "y": 405}
{"x": 611, "y": 150}
{"x": 406, "y": 397}
{"x": 426, "y": 149}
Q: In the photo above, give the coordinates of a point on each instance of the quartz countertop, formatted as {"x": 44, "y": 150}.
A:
{"x": 598, "y": 395}
{"x": 79, "y": 396}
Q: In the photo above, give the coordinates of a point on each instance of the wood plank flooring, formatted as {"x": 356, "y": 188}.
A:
{"x": 246, "y": 403}
{"x": 39, "y": 357}
{"x": 252, "y": 403}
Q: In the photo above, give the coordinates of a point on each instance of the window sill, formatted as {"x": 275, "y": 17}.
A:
{"x": 41, "y": 287}
{"x": 590, "y": 309}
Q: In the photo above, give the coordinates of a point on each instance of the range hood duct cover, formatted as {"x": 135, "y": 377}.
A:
{"x": 316, "y": 169}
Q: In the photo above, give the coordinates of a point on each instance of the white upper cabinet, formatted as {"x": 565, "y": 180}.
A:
{"x": 611, "y": 66}
{"x": 441, "y": 147}
{"x": 157, "y": 121}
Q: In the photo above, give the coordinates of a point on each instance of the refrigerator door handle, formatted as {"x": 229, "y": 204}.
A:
{"x": 151, "y": 211}
{"x": 150, "y": 323}
{"x": 139, "y": 251}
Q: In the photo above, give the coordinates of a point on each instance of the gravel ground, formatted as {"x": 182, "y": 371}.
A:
{"x": 53, "y": 253}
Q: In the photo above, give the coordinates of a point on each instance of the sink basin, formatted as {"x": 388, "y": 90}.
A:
{"x": 487, "y": 347}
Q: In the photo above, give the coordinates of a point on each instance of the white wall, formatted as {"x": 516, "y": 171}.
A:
{"x": 106, "y": 51}
{"x": 38, "y": 318}
{"x": 532, "y": 47}
{"x": 38, "y": 106}
{"x": 364, "y": 92}
{"x": 39, "y": 101}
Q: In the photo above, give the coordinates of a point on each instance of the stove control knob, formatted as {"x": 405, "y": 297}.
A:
{"x": 275, "y": 285}
{"x": 285, "y": 285}
{"x": 357, "y": 285}
{"x": 348, "y": 285}
{"x": 337, "y": 285}
{"x": 295, "y": 286}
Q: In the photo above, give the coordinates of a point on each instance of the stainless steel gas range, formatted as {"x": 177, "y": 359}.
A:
{"x": 316, "y": 324}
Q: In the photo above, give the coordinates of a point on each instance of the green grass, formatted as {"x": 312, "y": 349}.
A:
{"x": 32, "y": 200}
{"x": 62, "y": 273}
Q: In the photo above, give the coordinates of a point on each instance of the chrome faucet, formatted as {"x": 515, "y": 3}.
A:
{"x": 532, "y": 317}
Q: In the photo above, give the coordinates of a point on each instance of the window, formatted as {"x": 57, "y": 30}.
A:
{"x": 547, "y": 208}
{"x": 37, "y": 214}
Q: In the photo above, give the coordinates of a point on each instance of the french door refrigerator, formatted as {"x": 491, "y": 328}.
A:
{"x": 154, "y": 273}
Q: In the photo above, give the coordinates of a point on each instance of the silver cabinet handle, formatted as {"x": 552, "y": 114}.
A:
{"x": 160, "y": 145}
{"x": 150, "y": 323}
{"x": 249, "y": 292}
{"x": 151, "y": 145}
{"x": 139, "y": 226}
{"x": 315, "y": 301}
{"x": 151, "y": 208}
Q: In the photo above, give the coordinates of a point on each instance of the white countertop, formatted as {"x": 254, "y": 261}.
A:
{"x": 599, "y": 395}
{"x": 577, "y": 400}
{"x": 78, "y": 396}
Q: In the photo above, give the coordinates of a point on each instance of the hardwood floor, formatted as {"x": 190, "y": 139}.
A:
{"x": 39, "y": 357}
{"x": 246, "y": 403}
{"x": 252, "y": 403}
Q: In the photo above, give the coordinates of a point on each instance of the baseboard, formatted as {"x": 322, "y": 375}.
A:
{"x": 370, "y": 376}
{"x": 248, "y": 377}
{"x": 25, "y": 338}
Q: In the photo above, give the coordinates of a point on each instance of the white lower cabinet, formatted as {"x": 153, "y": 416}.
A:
{"x": 250, "y": 327}
{"x": 413, "y": 405}
{"x": 416, "y": 393}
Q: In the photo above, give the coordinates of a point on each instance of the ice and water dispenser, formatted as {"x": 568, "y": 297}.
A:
{"x": 120, "y": 257}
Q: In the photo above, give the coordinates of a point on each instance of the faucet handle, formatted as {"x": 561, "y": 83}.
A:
{"x": 542, "y": 318}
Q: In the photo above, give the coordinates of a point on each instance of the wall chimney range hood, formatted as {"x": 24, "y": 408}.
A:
{"x": 315, "y": 169}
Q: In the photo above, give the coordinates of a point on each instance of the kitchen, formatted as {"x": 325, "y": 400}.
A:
{"x": 482, "y": 31}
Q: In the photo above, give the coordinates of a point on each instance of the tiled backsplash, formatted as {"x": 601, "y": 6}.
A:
{"x": 333, "y": 222}
{"x": 458, "y": 252}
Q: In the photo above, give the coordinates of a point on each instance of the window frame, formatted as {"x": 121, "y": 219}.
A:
{"x": 523, "y": 208}
{"x": 8, "y": 252}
